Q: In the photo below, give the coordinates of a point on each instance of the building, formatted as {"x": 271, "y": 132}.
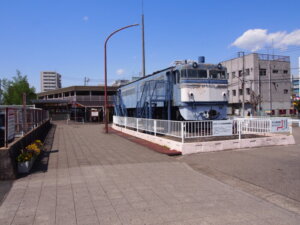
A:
{"x": 50, "y": 81}
{"x": 262, "y": 82}
{"x": 80, "y": 103}
{"x": 296, "y": 87}
{"x": 120, "y": 82}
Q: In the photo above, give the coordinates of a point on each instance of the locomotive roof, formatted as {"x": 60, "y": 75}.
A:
{"x": 154, "y": 73}
{"x": 179, "y": 66}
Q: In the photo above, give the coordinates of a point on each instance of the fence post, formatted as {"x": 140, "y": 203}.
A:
{"x": 137, "y": 124}
{"x": 290, "y": 123}
{"x": 6, "y": 128}
{"x": 182, "y": 131}
{"x": 155, "y": 127}
{"x": 239, "y": 129}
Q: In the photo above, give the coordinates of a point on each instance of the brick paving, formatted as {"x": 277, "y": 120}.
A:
{"x": 95, "y": 178}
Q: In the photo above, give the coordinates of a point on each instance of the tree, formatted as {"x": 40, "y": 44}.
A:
{"x": 296, "y": 104}
{"x": 255, "y": 100}
{"x": 13, "y": 90}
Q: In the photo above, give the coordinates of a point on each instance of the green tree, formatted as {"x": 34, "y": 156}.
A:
{"x": 13, "y": 90}
{"x": 296, "y": 104}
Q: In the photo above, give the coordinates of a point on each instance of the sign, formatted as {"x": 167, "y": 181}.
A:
{"x": 222, "y": 127}
{"x": 280, "y": 125}
{"x": 95, "y": 113}
{"x": 11, "y": 125}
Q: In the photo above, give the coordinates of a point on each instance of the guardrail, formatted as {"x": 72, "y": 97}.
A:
{"x": 208, "y": 128}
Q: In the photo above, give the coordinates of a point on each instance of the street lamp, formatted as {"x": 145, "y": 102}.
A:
{"x": 105, "y": 74}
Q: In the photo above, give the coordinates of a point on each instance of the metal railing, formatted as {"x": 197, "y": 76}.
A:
{"x": 16, "y": 121}
{"x": 208, "y": 128}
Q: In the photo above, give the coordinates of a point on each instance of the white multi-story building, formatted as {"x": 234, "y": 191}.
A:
{"x": 50, "y": 81}
{"x": 262, "y": 82}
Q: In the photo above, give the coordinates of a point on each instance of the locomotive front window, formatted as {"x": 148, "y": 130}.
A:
{"x": 215, "y": 74}
{"x": 202, "y": 73}
{"x": 193, "y": 74}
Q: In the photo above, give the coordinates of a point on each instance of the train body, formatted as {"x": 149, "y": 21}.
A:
{"x": 185, "y": 91}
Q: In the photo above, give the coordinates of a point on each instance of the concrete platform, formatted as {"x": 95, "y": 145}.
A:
{"x": 212, "y": 146}
{"x": 93, "y": 178}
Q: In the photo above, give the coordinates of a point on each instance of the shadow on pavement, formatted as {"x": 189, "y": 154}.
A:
{"x": 41, "y": 163}
{"x": 5, "y": 187}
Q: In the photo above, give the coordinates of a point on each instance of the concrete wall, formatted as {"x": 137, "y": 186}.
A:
{"x": 8, "y": 163}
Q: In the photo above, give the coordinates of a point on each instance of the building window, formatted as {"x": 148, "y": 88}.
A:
{"x": 233, "y": 74}
{"x": 275, "y": 71}
{"x": 240, "y": 91}
{"x": 282, "y": 111}
{"x": 248, "y": 91}
{"x": 285, "y": 71}
{"x": 240, "y": 73}
{"x": 262, "y": 72}
{"x": 233, "y": 92}
{"x": 227, "y": 75}
{"x": 247, "y": 72}
{"x": 285, "y": 91}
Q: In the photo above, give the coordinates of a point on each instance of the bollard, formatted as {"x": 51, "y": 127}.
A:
{"x": 154, "y": 127}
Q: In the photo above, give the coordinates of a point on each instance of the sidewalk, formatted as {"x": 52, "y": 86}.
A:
{"x": 95, "y": 178}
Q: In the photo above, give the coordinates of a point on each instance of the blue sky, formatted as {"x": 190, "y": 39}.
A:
{"x": 68, "y": 35}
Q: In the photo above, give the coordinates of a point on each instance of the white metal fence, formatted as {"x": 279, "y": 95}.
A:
{"x": 208, "y": 128}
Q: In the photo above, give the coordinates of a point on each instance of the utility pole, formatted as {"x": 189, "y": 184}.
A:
{"x": 86, "y": 80}
{"x": 143, "y": 42}
{"x": 243, "y": 83}
{"x": 270, "y": 91}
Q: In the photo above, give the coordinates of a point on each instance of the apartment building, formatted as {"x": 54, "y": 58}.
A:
{"x": 262, "y": 82}
{"x": 50, "y": 81}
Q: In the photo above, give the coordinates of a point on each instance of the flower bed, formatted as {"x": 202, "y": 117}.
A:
{"x": 28, "y": 156}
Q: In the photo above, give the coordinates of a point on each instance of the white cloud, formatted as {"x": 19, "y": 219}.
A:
{"x": 85, "y": 18}
{"x": 256, "y": 39}
{"x": 120, "y": 71}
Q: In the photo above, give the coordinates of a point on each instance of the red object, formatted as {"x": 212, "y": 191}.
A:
{"x": 148, "y": 144}
{"x": 105, "y": 75}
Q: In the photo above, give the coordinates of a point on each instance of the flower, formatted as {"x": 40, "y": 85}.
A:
{"x": 24, "y": 156}
{"x": 34, "y": 149}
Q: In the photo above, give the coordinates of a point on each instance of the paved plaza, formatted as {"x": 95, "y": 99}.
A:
{"x": 89, "y": 177}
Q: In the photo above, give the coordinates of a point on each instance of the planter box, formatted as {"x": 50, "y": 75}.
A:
{"x": 25, "y": 167}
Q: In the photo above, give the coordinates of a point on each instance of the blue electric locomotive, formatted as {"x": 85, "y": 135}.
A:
{"x": 186, "y": 91}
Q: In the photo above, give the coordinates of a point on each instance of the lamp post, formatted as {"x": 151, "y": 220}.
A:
{"x": 105, "y": 74}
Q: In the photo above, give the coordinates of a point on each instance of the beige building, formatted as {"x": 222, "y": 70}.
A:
{"x": 262, "y": 81}
{"x": 50, "y": 81}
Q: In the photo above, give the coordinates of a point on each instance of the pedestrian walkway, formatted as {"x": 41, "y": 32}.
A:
{"x": 97, "y": 178}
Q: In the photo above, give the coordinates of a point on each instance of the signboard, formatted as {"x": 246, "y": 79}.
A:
{"x": 280, "y": 125}
{"x": 95, "y": 113}
{"x": 11, "y": 125}
{"x": 222, "y": 127}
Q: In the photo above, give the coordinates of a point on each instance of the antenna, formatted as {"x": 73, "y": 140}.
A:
{"x": 273, "y": 46}
{"x": 86, "y": 81}
{"x": 143, "y": 42}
